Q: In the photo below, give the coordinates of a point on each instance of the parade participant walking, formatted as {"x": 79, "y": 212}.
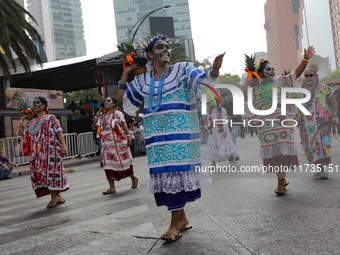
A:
{"x": 277, "y": 141}
{"x": 46, "y": 149}
{"x": 115, "y": 141}
{"x": 228, "y": 105}
{"x": 171, "y": 127}
{"x": 220, "y": 146}
{"x": 315, "y": 130}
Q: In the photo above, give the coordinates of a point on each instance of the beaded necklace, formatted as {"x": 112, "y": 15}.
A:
{"x": 35, "y": 127}
{"x": 151, "y": 107}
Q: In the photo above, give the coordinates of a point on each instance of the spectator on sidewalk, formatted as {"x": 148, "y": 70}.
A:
{"x": 5, "y": 170}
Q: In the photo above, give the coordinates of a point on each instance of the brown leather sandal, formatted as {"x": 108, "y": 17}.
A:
{"x": 280, "y": 191}
{"x": 60, "y": 201}
{"x": 134, "y": 183}
{"x": 109, "y": 192}
{"x": 170, "y": 237}
{"x": 52, "y": 204}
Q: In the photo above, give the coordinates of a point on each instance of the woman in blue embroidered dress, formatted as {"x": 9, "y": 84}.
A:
{"x": 171, "y": 127}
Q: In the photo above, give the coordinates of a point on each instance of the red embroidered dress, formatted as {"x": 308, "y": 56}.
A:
{"x": 46, "y": 167}
{"x": 117, "y": 157}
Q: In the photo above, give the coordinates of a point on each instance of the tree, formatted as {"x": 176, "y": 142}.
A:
{"x": 227, "y": 78}
{"x": 81, "y": 95}
{"x": 176, "y": 52}
{"x": 333, "y": 76}
{"x": 17, "y": 37}
{"x": 205, "y": 65}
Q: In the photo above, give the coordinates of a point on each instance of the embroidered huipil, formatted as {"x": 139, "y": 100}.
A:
{"x": 116, "y": 154}
{"x": 46, "y": 167}
{"x": 315, "y": 129}
{"x": 275, "y": 138}
{"x": 171, "y": 132}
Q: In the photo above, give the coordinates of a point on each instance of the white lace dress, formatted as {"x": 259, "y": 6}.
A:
{"x": 218, "y": 148}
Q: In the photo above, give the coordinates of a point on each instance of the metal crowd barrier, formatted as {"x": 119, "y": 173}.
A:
{"x": 78, "y": 145}
{"x": 14, "y": 149}
{"x": 71, "y": 140}
{"x": 87, "y": 145}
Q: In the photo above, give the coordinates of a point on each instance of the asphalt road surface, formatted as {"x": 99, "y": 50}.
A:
{"x": 237, "y": 214}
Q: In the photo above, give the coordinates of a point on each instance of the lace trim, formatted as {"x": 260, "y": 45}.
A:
{"x": 278, "y": 149}
{"x": 175, "y": 182}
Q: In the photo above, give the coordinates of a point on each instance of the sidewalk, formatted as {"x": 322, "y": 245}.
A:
{"x": 25, "y": 169}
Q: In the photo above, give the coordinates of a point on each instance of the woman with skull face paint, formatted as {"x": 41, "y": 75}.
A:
{"x": 46, "y": 149}
{"x": 278, "y": 147}
{"x": 115, "y": 141}
{"x": 171, "y": 128}
{"x": 315, "y": 130}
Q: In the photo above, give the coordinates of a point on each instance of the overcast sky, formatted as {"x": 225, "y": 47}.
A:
{"x": 235, "y": 27}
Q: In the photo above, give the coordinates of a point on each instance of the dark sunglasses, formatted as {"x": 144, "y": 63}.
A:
{"x": 310, "y": 75}
{"x": 36, "y": 102}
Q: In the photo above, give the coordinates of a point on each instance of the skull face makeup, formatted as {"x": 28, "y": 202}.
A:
{"x": 109, "y": 100}
{"x": 109, "y": 103}
{"x": 161, "y": 49}
{"x": 269, "y": 72}
{"x": 309, "y": 78}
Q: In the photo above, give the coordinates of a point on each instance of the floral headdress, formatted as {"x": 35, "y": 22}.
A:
{"x": 262, "y": 61}
{"x": 148, "y": 64}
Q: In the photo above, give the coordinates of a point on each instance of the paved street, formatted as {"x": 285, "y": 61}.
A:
{"x": 237, "y": 214}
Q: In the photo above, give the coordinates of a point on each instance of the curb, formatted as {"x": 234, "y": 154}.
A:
{"x": 67, "y": 164}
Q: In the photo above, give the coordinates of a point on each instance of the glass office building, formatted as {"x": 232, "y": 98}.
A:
{"x": 129, "y": 12}
{"x": 60, "y": 25}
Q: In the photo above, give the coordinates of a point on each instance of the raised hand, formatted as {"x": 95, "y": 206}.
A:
{"x": 129, "y": 68}
{"x": 218, "y": 61}
{"x": 308, "y": 54}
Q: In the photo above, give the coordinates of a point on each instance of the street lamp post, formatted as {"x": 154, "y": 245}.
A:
{"x": 140, "y": 21}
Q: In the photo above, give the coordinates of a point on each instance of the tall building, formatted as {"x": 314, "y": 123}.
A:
{"x": 319, "y": 26}
{"x": 129, "y": 12}
{"x": 60, "y": 25}
{"x": 282, "y": 30}
{"x": 334, "y": 6}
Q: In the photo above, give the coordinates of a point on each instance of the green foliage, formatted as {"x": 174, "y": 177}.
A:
{"x": 205, "y": 65}
{"x": 22, "y": 103}
{"x": 81, "y": 95}
{"x": 249, "y": 62}
{"x": 127, "y": 47}
{"x": 177, "y": 52}
{"x": 285, "y": 72}
{"x": 333, "y": 76}
{"x": 228, "y": 78}
{"x": 16, "y": 35}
